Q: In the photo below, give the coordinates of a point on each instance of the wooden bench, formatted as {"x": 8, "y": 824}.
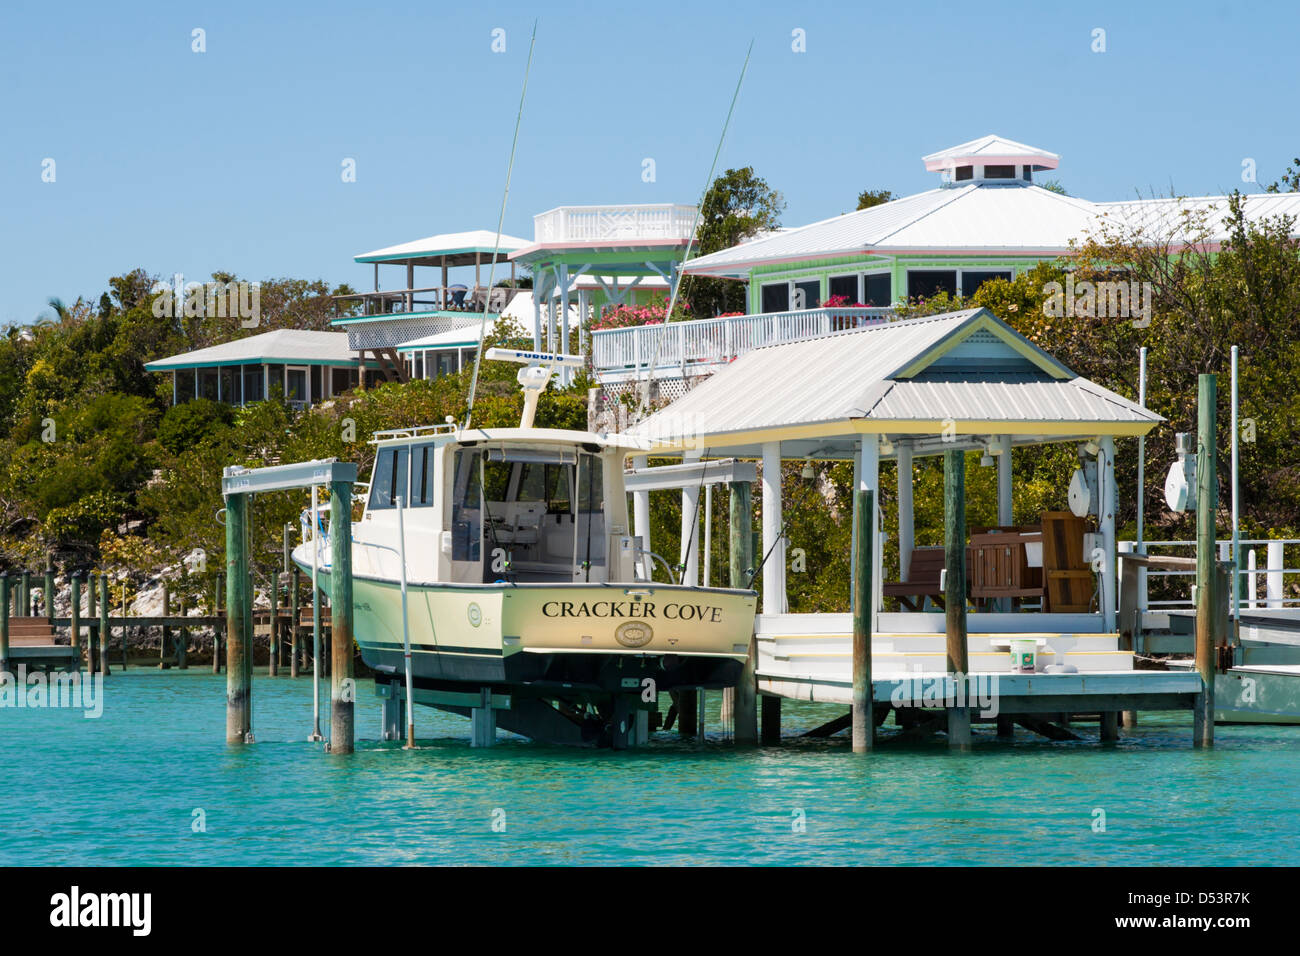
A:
{"x": 922, "y": 580}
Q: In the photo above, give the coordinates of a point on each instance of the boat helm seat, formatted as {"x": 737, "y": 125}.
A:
{"x": 523, "y": 527}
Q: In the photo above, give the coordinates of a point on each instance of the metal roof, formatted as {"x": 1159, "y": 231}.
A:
{"x": 458, "y": 248}
{"x": 991, "y": 149}
{"x": 981, "y": 218}
{"x": 290, "y": 346}
{"x": 967, "y": 367}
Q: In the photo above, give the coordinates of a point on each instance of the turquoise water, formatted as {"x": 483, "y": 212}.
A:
{"x": 124, "y": 789}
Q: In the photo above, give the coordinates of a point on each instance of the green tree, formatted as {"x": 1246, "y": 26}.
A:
{"x": 873, "y": 197}
{"x": 738, "y": 206}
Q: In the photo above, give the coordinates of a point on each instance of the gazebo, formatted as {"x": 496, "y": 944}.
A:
{"x": 902, "y": 390}
{"x": 393, "y": 317}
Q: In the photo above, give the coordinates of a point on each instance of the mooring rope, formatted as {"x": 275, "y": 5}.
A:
{"x": 487, "y": 299}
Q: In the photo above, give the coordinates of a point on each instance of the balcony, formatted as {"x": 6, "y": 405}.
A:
{"x": 700, "y": 346}
{"x": 614, "y": 224}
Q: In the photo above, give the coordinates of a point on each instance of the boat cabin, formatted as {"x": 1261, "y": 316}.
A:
{"x": 518, "y": 505}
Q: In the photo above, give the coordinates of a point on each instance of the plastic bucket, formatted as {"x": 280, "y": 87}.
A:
{"x": 1024, "y": 656}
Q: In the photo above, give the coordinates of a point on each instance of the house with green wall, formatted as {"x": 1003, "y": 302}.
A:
{"x": 987, "y": 217}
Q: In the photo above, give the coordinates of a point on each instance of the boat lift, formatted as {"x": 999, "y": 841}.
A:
{"x": 237, "y": 484}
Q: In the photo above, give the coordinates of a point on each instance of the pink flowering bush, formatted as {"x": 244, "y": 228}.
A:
{"x": 627, "y": 316}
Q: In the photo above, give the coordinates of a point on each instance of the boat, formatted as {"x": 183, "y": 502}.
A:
{"x": 523, "y": 591}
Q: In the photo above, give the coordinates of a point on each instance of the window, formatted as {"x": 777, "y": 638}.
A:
{"x": 1028, "y": 174}
{"x": 253, "y": 382}
{"x": 422, "y": 476}
{"x": 317, "y": 392}
{"x": 389, "y": 478}
{"x": 184, "y": 385}
{"x": 876, "y": 289}
{"x": 999, "y": 172}
{"x": 964, "y": 172}
{"x": 549, "y": 483}
{"x": 924, "y": 283}
{"x": 775, "y": 297}
{"x": 808, "y": 294}
{"x": 591, "y": 489}
{"x": 466, "y": 515}
{"x": 208, "y": 383}
{"x": 846, "y": 286}
{"x": 275, "y": 380}
{"x": 972, "y": 280}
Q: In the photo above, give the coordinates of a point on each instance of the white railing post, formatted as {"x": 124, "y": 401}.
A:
{"x": 1252, "y": 579}
{"x": 1273, "y": 578}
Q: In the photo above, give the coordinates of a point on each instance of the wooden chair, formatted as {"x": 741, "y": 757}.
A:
{"x": 922, "y": 580}
{"x": 1068, "y": 578}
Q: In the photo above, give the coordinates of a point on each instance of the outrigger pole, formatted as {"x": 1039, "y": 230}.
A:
{"x": 690, "y": 242}
{"x": 496, "y": 249}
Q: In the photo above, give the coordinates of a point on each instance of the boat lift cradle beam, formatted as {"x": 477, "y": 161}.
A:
{"x": 237, "y": 483}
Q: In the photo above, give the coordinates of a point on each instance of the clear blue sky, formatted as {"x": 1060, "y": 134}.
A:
{"x": 230, "y": 160}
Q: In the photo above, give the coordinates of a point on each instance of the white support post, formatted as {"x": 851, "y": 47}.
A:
{"x": 641, "y": 520}
{"x": 906, "y": 522}
{"x": 1004, "y": 481}
{"x": 690, "y": 551}
{"x": 537, "y": 314}
{"x": 774, "y": 601}
{"x": 868, "y": 479}
{"x": 1106, "y": 524}
{"x": 708, "y": 533}
{"x": 1273, "y": 577}
{"x": 566, "y": 374}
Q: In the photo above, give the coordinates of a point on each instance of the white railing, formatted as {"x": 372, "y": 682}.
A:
{"x": 614, "y": 223}
{"x": 702, "y": 342}
{"x": 1261, "y": 558}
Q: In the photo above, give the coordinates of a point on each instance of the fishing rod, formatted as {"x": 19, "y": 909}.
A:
{"x": 496, "y": 250}
{"x": 753, "y": 574}
{"x": 690, "y": 242}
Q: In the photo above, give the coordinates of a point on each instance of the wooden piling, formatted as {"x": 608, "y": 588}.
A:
{"x": 4, "y": 626}
{"x": 166, "y": 631}
{"x": 27, "y": 594}
{"x": 688, "y": 712}
{"x": 863, "y": 722}
{"x": 182, "y": 637}
{"x": 125, "y": 628}
{"x": 273, "y": 654}
{"x": 92, "y": 621}
{"x": 49, "y": 591}
{"x": 342, "y": 689}
{"x": 105, "y": 632}
{"x": 1207, "y": 487}
{"x": 74, "y": 615}
{"x": 296, "y": 584}
{"x": 741, "y": 542}
{"x": 770, "y": 719}
{"x": 954, "y": 524}
{"x": 238, "y": 676}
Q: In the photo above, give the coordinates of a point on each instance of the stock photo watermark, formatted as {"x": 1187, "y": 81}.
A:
{"x": 65, "y": 690}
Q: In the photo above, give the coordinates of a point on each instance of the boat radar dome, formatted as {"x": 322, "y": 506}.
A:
{"x": 991, "y": 159}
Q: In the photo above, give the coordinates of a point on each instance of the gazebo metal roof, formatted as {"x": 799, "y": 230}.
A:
{"x": 940, "y": 382}
{"x": 449, "y": 249}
